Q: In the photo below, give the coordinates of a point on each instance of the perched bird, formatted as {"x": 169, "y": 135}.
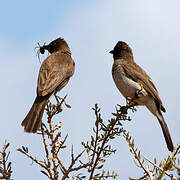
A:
{"x": 136, "y": 86}
{"x": 54, "y": 74}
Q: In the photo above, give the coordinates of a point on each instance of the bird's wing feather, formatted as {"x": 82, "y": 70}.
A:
{"x": 54, "y": 70}
{"x": 136, "y": 73}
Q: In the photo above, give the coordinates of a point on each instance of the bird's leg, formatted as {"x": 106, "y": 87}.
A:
{"x": 130, "y": 102}
{"x": 138, "y": 92}
{"x": 58, "y": 98}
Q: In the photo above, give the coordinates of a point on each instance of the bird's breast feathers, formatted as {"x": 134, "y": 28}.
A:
{"x": 127, "y": 86}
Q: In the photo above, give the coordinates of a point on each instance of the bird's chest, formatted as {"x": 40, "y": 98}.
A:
{"x": 125, "y": 84}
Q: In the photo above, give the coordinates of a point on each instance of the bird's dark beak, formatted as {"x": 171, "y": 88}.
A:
{"x": 111, "y": 52}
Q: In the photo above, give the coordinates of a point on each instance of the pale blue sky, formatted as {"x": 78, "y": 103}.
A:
{"x": 91, "y": 28}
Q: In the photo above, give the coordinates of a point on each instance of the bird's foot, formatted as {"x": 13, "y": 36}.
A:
{"x": 58, "y": 98}
{"x": 138, "y": 92}
{"x": 130, "y": 102}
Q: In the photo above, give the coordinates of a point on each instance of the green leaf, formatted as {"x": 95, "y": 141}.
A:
{"x": 111, "y": 137}
{"x": 24, "y": 148}
{"x": 99, "y": 167}
{"x": 155, "y": 161}
{"x": 139, "y": 155}
{"x": 7, "y": 145}
{"x": 92, "y": 138}
{"x": 102, "y": 160}
{"x": 83, "y": 176}
{"x": 9, "y": 166}
{"x": 7, "y": 156}
{"x": 20, "y": 150}
{"x": 97, "y": 175}
{"x": 67, "y": 105}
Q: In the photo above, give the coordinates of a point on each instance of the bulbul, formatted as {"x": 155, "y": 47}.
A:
{"x": 136, "y": 86}
{"x": 54, "y": 74}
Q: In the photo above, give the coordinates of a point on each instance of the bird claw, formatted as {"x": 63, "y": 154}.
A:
{"x": 130, "y": 103}
{"x": 138, "y": 92}
{"x": 58, "y": 98}
{"x": 129, "y": 99}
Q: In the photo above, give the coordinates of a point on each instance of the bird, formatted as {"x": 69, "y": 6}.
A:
{"x": 136, "y": 86}
{"x": 54, "y": 74}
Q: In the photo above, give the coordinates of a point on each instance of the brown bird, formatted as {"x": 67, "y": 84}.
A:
{"x": 54, "y": 74}
{"x": 136, "y": 86}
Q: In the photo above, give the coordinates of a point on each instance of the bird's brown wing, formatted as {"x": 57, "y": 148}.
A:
{"x": 136, "y": 73}
{"x": 54, "y": 70}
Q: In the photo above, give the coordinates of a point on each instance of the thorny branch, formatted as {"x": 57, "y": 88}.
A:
{"x": 52, "y": 142}
{"x": 96, "y": 151}
{"x": 137, "y": 155}
{"x": 5, "y": 166}
{"x": 99, "y": 149}
{"x": 155, "y": 171}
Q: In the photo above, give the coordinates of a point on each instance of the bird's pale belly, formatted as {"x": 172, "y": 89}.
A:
{"x": 128, "y": 88}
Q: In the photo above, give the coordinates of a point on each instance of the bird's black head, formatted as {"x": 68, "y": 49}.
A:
{"x": 122, "y": 50}
{"x": 56, "y": 45}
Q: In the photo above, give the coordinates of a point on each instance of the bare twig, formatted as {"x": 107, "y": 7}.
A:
{"x": 47, "y": 152}
{"x": 98, "y": 151}
{"x": 5, "y": 166}
{"x": 136, "y": 155}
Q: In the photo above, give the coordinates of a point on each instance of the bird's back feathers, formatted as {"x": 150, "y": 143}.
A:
{"x": 54, "y": 70}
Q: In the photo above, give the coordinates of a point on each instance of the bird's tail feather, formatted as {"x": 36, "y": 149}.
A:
{"x": 165, "y": 132}
{"x": 32, "y": 121}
